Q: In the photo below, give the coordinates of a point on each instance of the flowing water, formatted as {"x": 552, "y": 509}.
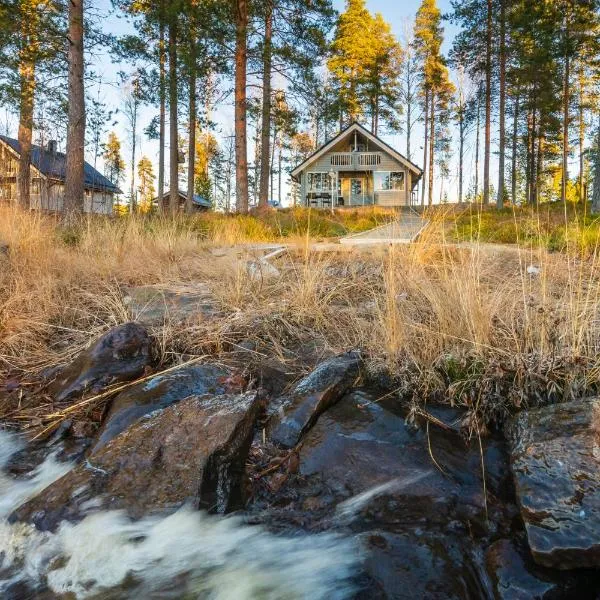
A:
{"x": 186, "y": 554}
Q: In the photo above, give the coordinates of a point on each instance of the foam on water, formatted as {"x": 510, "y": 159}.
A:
{"x": 349, "y": 509}
{"x": 218, "y": 558}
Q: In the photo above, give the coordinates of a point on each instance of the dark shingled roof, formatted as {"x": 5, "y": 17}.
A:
{"x": 196, "y": 199}
{"x": 54, "y": 166}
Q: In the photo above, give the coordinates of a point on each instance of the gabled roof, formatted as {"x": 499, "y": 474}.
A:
{"x": 54, "y": 166}
{"x": 196, "y": 199}
{"x": 372, "y": 138}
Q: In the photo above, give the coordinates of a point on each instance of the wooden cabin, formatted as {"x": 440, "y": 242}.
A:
{"x": 48, "y": 171}
{"x": 199, "y": 203}
{"x": 356, "y": 168}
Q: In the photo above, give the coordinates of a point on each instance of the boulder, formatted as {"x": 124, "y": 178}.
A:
{"x": 298, "y": 411}
{"x": 119, "y": 355}
{"x": 155, "y": 305}
{"x": 417, "y": 565}
{"x": 375, "y": 467}
{"x": 555, "y": 459}
{"x": 194, "y": 451}
{"x": 514, "y": 576}
{"x": 158, "y": 393}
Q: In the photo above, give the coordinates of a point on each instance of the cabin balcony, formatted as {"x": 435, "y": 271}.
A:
{"x": 354, "y": 161}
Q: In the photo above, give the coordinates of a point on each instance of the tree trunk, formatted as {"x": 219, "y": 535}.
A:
{"x": 596, "y": 184}
{"x": 272, "y": 162}
{"x": 502, "y": 124}
{"x": 477, "y": 144}
{"x": 74, "y": 179}
{"x": 581, "y": 138}
{"x": 263, "y": 196}
{"x": 513, "y": 170}
{"x": 426, "y": 129}
{"x": 27, "y": 94}
{"x": 174, "y": 132}
{"x": 279, "y": 167}
{"x": 132, "y": 202}
{"x": 488, "y": 106}
{"x": 565, "y": 140}
{"x": 533, "y": 179}
{"x": 162, "y": 63}
{"x": 461, "y": 146}
{"x": 241, "y": 150}
{"x": 431, "y": 149}
{"x": 539, "y": 165}
{"x": 189, "y": 204}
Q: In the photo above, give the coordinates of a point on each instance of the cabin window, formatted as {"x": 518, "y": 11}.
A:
{"x": 35, "y": 187}
{"x": 319, "y": 182}
{"x": 389, "y": 181}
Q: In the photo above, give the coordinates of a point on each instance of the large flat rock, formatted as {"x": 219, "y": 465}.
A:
{"x": 121, "y": 354}
{"x": 158, "y": 393}
{"x": 155, "y": 305}
{"x": 555, "y": 457}
{"x": 194, "y": 451}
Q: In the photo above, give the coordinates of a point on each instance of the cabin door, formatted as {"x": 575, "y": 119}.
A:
{"x": 357, "y": 191}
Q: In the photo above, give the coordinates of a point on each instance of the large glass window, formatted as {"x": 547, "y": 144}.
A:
{"x": 392, "y": 181}
{"x": 319, "y": 182}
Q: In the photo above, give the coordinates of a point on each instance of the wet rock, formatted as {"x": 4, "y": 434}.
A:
{"x": 274, "y": 376}
{"x": 555, "y": 459}
{"x": 158, "y": 393}
{"x": 193, "y": 451}
{"x": 121, "y": 354}
{"x": 376, "y": 467}
{"x": 514, "y": 576}
{"x": 156, "y": 305}
{"x": 417, "y": 565}
{"x": 298, "y": 411}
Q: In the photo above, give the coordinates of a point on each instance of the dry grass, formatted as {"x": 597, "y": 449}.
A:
{"x": 469, "y": 326}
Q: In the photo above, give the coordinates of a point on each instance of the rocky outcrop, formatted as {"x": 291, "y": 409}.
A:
{"x": 194, "y": 451}
{"x": 376, "y": 466}
{"x": 119, "y": 355}
{"x": 297, "y": 412}
{"x": 157, "y": 305}
{"x": 412, "y": 566}
{"x": 158, "y": 393}
{"x": 514, "y": 576}
{"x": 555, "y": 458}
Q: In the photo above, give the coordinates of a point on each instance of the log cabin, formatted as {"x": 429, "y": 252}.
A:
{"x": 47, "y": 186}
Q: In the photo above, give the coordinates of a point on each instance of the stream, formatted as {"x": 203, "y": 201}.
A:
{"x": 183, "y": 554}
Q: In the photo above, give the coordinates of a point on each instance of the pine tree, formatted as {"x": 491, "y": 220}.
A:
{"x": 30, "y": 46}
{"x": 436, "y": 88}
{"x": 146, "y": 187}
{"x": 293, "y": 41}
{"x": 114, "y": 165}
{"x": 352, "y": 51}
{"x": 240, "y": 8}
{"x": 74, "y": 180}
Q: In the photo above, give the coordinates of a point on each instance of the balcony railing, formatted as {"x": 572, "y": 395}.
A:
{"x": 369, "y": 159}
{"x": 354, "y": 161}
{"x": 341, "y": 159}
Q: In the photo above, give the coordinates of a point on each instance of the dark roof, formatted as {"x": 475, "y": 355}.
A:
{"x": 54, "y": 166}
{"x": 197, "y": 199}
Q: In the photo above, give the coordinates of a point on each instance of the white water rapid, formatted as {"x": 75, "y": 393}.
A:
{"x": 187, "y": 554}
